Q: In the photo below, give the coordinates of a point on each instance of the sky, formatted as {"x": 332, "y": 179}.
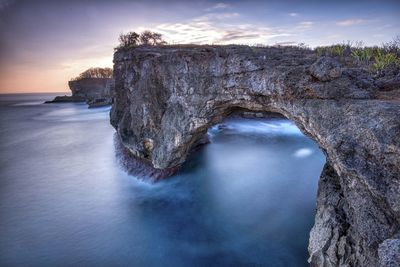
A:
{"x": 44, "y": 43}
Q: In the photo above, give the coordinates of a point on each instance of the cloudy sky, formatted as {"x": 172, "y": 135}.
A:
{"x": 45, "y": 43}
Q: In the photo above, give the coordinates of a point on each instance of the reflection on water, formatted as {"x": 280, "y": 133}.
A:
{"x": 77, "y": 112}
{"x": 246, "y": 199}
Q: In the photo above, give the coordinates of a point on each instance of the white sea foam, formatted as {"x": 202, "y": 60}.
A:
{"x": 303, "y": 152}
{"x": 30, "y": 103}
{"x": 260, "y": 126}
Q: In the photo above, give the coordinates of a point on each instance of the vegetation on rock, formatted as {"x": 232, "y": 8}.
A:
{"x": 376, "y": 58}
{"x": 133, "y": 39}
{"x": 95, "y": 73}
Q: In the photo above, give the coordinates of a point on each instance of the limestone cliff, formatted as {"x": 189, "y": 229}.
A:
{"x": 166, "y": 98}
{"x": 94, "y": 91}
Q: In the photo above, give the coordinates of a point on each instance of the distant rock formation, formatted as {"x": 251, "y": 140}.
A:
{"x": 66, "y": 99}
{"x": 96, "y": 92}
{"x": 167, "y": 97}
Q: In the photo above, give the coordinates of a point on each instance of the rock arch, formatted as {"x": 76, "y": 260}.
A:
{"x": 167, "y": 97}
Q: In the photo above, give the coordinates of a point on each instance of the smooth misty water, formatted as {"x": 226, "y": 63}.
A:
{"x": 246, "y": 199}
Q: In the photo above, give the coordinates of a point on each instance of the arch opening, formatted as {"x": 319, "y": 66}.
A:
{"x": 260, "y": 175}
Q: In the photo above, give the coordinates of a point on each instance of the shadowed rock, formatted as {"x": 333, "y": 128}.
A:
{"x": 167, "y": 97}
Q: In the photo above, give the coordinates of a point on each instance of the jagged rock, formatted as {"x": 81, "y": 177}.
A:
{"x": 389, "y": 253}
{"x": 389, "y": 84}
{"x": 170, "y": 96}
{"x": 329, "y": 227}
{"x": 99, "y": 102}
{"x": 326, "y": 69}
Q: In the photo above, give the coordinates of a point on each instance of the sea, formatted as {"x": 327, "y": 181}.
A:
{"x": 247, "y": 198}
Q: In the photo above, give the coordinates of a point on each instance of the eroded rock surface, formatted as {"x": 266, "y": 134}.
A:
{"x": 167, "y": 97}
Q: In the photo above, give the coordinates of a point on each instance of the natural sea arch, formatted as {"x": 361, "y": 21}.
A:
{"x": 166, "y": 99}
{"x": 265, "y": 166}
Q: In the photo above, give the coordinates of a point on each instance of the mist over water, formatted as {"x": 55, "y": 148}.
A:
{"x": 246, "y": 199}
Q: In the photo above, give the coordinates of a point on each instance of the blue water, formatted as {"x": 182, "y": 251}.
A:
{"x": 246, "y": 199}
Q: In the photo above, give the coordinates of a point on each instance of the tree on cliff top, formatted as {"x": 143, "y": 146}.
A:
{"x": 129, "y": 39}
{"x": 132, "y": 39}
{"x": 95, "y": 73}
{"x": 151, "y": 38}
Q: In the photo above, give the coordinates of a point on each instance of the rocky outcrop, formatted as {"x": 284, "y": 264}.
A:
{"x": 66, "y": 99}
{"x": 96, "y": 92}
{"x": 93, "y": 89}
{"x": 166, "y": 98}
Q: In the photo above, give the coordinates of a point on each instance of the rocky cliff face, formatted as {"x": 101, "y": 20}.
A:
{"x": 166, "y": 99}
{"x": 96, "y": 91}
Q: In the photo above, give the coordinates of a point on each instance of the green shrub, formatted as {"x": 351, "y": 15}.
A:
{"x": 333, "y": 50}
{"x": 363, "y": 55}
{"x": 95, "y": 73}
{"x": 383, "y": 60}
{"x": 320, "y": 51}
{"x": 337, "y": 50}
{"x": 132, "y": 39}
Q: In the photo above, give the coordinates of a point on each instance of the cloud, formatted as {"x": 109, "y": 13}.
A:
{"x": 237, "y": 35}
{"x": 218, "y": 16}
{"x": 305, "y": 25}
{"x": 350, "y": 22}
{"x": 196, "y": 32}
{"x": 218, "y": 6}
{"x": 219, "y": 28}
{"x": 208, "y": 31}
{"x": 293, "y": 14}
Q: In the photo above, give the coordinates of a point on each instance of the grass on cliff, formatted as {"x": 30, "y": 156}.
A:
{"x": 376, "y": 58}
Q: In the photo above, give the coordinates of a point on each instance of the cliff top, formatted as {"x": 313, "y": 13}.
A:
{"x": 377, "y": 66}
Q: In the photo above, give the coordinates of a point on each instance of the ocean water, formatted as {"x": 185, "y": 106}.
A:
{"x": 246, "y": 199}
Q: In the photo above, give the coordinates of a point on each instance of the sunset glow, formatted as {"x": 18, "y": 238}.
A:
{"x": 45, "y": 43}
